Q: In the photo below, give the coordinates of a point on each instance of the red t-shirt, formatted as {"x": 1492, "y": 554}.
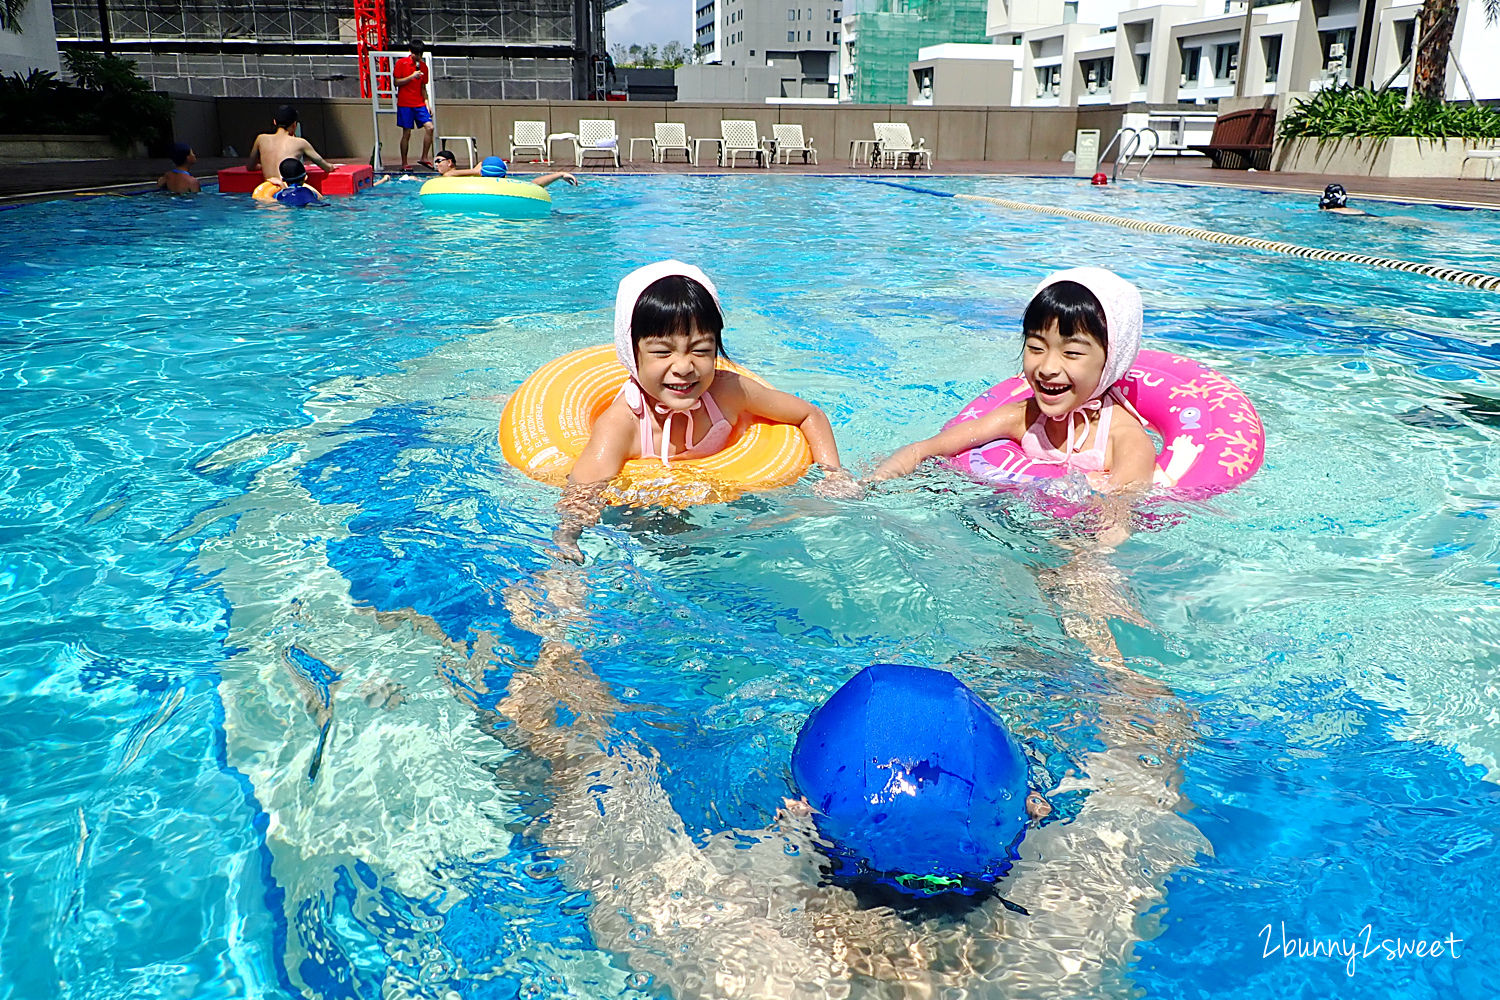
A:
{"x": 410, "y": 95}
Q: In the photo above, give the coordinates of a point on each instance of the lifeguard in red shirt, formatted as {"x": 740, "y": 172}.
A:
{"x": 411, "y": 102}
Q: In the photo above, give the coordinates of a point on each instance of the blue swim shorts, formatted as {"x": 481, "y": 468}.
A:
{"x": 412, "y": 117}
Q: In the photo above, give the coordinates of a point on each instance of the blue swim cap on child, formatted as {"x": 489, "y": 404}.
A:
{"x": 492, "y": 166}
{"x": 913, "y": 779}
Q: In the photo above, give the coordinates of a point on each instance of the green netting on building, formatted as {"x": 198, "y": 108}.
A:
{"x": 888, "y": 33}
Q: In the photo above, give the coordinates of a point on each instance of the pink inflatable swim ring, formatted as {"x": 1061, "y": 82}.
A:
{"x": 1214, "y": 440}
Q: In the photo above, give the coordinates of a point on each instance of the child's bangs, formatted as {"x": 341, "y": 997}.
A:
{"x": 676, "y": 305}
{"x": 1075, "y": 308}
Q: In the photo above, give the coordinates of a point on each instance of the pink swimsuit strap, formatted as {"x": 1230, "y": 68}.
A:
{"x": 713, "y": 441}
{"x": 1038, "y": 447}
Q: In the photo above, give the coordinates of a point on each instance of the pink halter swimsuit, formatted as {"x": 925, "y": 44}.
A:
{"x": 1038, "y": 448}
{"x": 714, "y": 440}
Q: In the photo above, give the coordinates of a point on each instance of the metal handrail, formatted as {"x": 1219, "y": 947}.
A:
{"x": 1111, "y": 144}
{"x": 1155, "y": 145}
{"x": 1127, "y": 152}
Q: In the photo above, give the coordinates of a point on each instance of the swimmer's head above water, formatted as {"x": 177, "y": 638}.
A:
{"x": 1334, "y": 196}
{"x": 914, "y": 783}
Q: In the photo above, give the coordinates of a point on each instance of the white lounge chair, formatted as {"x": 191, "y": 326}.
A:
{"x": 596, "y": 137}
{"x": 740, "y": 137}
{"x": 1489, "y": 157}
{"x": 896, "y": 145}
{"x": 530, "y": 136}
{"x": 671, "y": 136}
{"x": 789, "y": 140}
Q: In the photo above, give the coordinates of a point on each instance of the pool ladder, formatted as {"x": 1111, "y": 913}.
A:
{"x": 1129, "y": 141}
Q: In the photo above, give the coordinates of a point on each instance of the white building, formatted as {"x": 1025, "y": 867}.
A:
{"x": 31, "y": 42}
{"x": 1080, "y": 52}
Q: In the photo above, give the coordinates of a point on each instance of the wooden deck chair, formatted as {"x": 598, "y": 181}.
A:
{"x": 740, "y": 137}
{"x": 789, "y": 140}
{"x": 529, "y": 136}
{"x": 896, "y": 145}
{"x": 596, "y": 137}
{"x": 671, "y": 136}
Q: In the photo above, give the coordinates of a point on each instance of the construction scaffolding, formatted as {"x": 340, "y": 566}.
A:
{"x": 888, "y": 33}
{"x": 482, "y": 49}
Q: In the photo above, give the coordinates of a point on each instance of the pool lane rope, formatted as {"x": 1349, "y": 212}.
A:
{"x": 1458, "y": 276}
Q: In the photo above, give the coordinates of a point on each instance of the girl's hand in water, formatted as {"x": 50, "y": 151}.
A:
{"x": 565, "y": 542}
{"x": 838, "y": 484}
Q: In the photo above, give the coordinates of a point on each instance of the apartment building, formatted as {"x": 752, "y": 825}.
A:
{"x": 799, "y": 42}
{"x": 1079, "y": 52}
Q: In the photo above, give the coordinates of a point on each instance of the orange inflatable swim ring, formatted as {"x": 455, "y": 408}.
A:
{"x": 266, "y": 190}
{"x": 548, "y": 421}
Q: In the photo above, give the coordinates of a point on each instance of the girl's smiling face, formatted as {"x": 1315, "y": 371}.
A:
{"x": 1063, "y": 372}
{"x": 676, "y": 369}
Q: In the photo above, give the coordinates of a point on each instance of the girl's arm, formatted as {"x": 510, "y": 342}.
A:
{"x": 1132, "y": 457}
{"x": 784, "y": 408}
{"x": 546, "y": 179}
{"x": 582, "y": 501}
{"x": 1002, "y": 422}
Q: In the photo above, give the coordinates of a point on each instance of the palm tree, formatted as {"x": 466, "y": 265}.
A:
{"x": 1435, "y": 22}
{"x": 10, "y": 14}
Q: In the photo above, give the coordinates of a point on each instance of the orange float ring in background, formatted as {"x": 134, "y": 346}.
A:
{"x": 548, "y": 421}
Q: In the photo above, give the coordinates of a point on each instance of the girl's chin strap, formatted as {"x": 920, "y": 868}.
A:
{"x": 1115, "y": 396}
{"x": 635, "y": 398}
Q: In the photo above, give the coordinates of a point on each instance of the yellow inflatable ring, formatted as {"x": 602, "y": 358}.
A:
{"x": 547, "y": 422}
{"x": 266, "y": 190}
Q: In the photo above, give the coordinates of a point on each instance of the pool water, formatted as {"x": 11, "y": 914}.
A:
{"x": 250, "y": 453}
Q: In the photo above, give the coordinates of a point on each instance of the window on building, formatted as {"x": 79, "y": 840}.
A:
{"x": 1190, "y": 57}
{"x": 1226, "y": 61}
{"x": 1337, "y": 51}
{"x": 1048, "y": 81}
{"x": 1070, "y": 11}
{"x": 791, "y": 15}
{"x": 1142, "y": 64}
{"x": 835, "y": 38}
{"x": 1403, "y": 38}
{"x": 838, "y": 15}
{"x": 1270, "y": 46}
{"x": 1097, "y": 74}
{"x": 791, "y": 36}
{"x": 752, "y": 52}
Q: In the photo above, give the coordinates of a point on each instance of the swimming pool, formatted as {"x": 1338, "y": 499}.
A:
{"x": 233, "y": 435}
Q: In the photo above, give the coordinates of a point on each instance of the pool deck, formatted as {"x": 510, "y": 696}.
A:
{"x": 61, "y": 178}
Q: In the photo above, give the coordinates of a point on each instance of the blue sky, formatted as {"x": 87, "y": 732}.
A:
{"x": 650, "y": 21}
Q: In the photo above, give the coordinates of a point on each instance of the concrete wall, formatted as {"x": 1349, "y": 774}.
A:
{"x": 34, "y": 46}
{"x": 341, "y": 128}
{"x": 195, "y": 121}
{"x": 963, "y": 82}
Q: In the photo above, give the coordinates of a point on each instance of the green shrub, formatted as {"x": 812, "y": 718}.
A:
{"x": 1351, "y": 112}
{"x": 107, "y": 97}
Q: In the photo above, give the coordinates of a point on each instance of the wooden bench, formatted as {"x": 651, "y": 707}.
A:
{"x": 1242, "y": 139}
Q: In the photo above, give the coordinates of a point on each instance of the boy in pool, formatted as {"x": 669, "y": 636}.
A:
{"x": 272, "y": 149}
{"x": 1335, "y": 201}
{"x": 493, "y": 166}
{"x": 178, "y": 180}
{"x": 750, "y": 913}
{"x": 297, "y": 193}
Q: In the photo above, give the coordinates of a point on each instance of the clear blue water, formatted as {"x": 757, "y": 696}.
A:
{"x": 233, "y": 435}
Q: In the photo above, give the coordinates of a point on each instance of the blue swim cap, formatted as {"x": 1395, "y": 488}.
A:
{"x": 492, "y": 166}
{"x": 914, "y": 779}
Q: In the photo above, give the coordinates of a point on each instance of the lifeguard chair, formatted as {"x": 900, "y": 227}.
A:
{"x": 381, "y": 66}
